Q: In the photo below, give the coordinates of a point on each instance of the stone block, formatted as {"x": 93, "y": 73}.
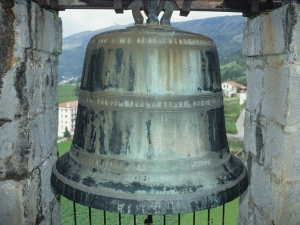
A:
{"x": 275, "y": 86}
{"x": 16, "y": 165}
{"x": 58, "y": 35}
{"x": 293, "y": 108}
{"x": 288, "y": 204}
{"x": 295, "y": 42}
{"x": 274, "y": 32}
{"x": 252, "y": 40}
{"x": 291, "y": 154}
{"x": 31, "y": 197}
{"x": 41, "y": 82}
{"x": 8, "y": 134}
{"x": 258, "y": 217}
{"x": 10, "y": 207}
{"x": 249, "y": 145}
{"x": 42, "y": 29}
{"x": 22, "y": 201}
{"x": 261, "y": 188}
{"x": 30, "y": 189}
{"x": 50, "y": 83}
{"x": 279, "y": 30}
{"x": 244, "y": 208}
{"x": 255, "y": 74}
{"x": 27, "y": 142}
{"x": 42, "y": 137}
{"x": 254, "y": 140}
{"x": 21, "y": 30}
{"x": 50, "y": 205}
{"x": 274, "y": 149}
{"x": 8, "y": 96}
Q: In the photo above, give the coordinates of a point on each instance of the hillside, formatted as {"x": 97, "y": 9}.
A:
{"x": 226, "y": 31}
{"x": 233, "y": 67}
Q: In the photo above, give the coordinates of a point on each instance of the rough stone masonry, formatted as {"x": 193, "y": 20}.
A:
{"x": 30, "y": 40}
{"x": 272, "y": 123}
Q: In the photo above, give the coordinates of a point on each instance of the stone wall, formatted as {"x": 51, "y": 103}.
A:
{"x": 30, "y": 40}
{"x": 272, "y": 123}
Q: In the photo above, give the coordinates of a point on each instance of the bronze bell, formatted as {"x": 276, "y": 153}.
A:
{"x": 150, "y": 134}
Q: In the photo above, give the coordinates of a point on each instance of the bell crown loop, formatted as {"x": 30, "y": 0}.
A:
{"x": 152, "y": 10}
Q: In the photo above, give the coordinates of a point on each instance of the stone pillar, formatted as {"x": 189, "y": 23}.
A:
{"x": 30, "y": 40}
{"x": 272, "y": 122}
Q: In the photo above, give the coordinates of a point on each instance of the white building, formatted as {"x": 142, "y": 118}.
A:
{"x": 66, "y": 117}
{"x": 231, "y": 88}
{"x": 243, "y": 97}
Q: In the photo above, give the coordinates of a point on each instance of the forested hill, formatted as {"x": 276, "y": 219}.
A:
{"x": 226, "y": 31}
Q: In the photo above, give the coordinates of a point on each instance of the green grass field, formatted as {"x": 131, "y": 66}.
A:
{"x": 232, "y": 64}
{"x": 232, "y": 110}
{"x": 66, "y": 93}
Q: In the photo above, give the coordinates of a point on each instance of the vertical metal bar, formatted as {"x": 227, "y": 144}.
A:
{"x": 120, "y": 223}
{"x": 164, "y": 219}
{"x": 208, "y": 216}
{"x": 74, "y": 213}
{"x": 134, "y": 219}
{"x": 178, "y": 218}
{"x": 104, "y": 217}
{"x": 90, "y": 215}
{"x": 194, "y": 218}
{"x": 223, "y": 215}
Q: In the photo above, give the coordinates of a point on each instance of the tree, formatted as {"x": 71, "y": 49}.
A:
{"x": 67, "y": 133}
{"x": 77, "y": 89}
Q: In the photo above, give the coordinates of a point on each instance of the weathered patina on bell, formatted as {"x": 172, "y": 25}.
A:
{"x": 150, "y": 135}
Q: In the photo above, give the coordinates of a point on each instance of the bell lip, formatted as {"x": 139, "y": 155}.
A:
{"x": 183, "y": 204}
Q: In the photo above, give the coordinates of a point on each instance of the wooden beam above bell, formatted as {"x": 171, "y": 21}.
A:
{"x": 184, "y": 6}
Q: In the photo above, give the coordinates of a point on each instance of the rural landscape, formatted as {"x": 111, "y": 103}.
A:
{"x": 229, "y": 42}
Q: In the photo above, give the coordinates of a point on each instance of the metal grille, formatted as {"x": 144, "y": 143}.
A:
{"x": 102, "y": 217}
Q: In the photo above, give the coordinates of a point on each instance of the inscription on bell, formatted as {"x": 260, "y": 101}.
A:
{"x": 154, "y": 40}
{"x": 197, "y": 102}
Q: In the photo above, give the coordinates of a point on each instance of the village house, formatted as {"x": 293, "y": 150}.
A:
{"x": 67, "y": 117}
{"x": 231, "y": 88}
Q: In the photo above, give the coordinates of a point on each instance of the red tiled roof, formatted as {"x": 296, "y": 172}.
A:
{"x": 235, "y": 84}
{"x": 73, "y": 104}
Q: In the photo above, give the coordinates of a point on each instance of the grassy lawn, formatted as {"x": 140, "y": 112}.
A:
{"x": 232, "y": 110}
{"x": 235, "y": 146}
{"x": 63, "y": 147}
{"x": 234, "y": 143}
{"x": 233, "y": 64}
{"x": 66, "y": 93}
{"x": 231, "y": 215}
